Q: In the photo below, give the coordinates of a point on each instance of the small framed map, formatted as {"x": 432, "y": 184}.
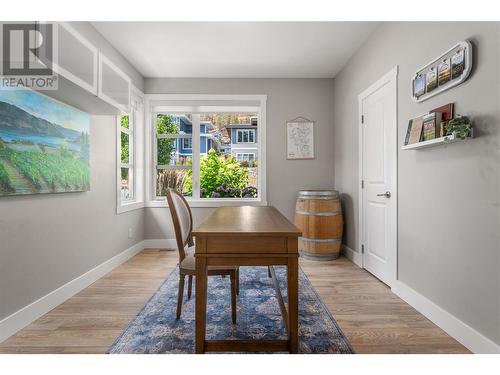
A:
{"x": 300, "y": 139}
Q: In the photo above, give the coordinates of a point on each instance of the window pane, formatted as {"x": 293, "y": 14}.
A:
{"x": 169, "y": 152}
{"x": 173, "y": 124}
{"x": 227, "y": 170}
{"x": 251, "y": 136}
{"x": 124, "y": 121}
{"x": 178, "y": 179}
{"x": 126, "y": 191}
{"x": 125, "y": 148}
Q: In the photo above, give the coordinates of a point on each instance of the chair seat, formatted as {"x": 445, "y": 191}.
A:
{"x": 189, "y": 263}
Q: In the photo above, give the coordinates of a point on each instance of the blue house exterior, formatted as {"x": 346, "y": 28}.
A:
{"x": 208, "y": 139}
{"x": 244, "y": 144}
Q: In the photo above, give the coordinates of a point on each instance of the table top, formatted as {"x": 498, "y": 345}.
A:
{"x": 247, "y": 221}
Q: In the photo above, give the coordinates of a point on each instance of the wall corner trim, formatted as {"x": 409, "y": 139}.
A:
{"x": 352, "y": 255}
{"x": 21, "y": 318}
{"x": 460, "y": 331}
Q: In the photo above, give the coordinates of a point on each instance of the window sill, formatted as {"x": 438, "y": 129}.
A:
{"x": 212, "y": 202}
{"x": 129, "y": 206}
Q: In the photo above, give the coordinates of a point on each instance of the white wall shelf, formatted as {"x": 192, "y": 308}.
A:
{"x": 434, "y": 142}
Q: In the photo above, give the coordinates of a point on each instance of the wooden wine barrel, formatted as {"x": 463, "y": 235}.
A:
{"x": 318, "y": 215}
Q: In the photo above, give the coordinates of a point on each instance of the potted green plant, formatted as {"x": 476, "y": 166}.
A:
{"x": 461, "y": 126}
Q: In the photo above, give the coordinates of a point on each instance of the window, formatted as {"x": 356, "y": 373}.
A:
{"x": 126, "y": 176}
{"x": 172, "y": 166}
{"x": 187, "y": 143}
{"x": 245, "y": 136}
{"x": 130, "y": 160}
{"x": 201, "y": 164}
{"x": 245, "y": 157}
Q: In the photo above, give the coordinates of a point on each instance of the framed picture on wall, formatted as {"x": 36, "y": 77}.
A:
{"x": 419, "y": 88}
{"x": 300, "y": 139}
{"x": 44, "y": 145}
{"x": 444, "y": 72}
{"x": 432, "y": 81}
{"x": 448, "y": 70}
{"x": 457, "y": 63}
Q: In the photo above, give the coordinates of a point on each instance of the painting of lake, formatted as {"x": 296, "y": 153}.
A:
{"x": 44, "y": 145}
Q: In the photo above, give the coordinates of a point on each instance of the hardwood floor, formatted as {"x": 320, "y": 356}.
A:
{"x": 372, "y": 317}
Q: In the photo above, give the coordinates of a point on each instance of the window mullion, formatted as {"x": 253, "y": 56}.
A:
{"x": 196, "y": 156}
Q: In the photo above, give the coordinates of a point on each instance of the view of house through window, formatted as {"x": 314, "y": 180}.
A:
{"x": 226, "y": 164}
{"x": 127, "y": 164}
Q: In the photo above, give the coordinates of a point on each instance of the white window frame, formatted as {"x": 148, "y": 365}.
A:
{"x": 250, "y": 131}
{"x": 131, "y": 155}
{"x": 159, "y": 103}
{"x": 136, "y": 155}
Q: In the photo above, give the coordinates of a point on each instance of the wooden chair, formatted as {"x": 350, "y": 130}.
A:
{"x": 183, "y": 226}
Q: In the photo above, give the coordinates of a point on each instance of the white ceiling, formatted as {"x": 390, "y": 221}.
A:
{"x": 237, "y": 49}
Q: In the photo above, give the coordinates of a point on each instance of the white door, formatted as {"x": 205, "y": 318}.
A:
{"x": 378, "y": 170}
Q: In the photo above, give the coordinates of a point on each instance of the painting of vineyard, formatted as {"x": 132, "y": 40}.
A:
{"x": 44, "y": 145}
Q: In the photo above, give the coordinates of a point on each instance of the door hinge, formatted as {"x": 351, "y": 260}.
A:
{"x": 362, "y": 184}
{"x": 362, "y": 249}
{"x": 362, "y": 119}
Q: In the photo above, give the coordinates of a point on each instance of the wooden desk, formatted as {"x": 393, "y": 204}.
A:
{"x": 247, "y": 236}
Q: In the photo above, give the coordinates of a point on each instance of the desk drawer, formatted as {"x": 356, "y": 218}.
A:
{"x": 249, "y": 245}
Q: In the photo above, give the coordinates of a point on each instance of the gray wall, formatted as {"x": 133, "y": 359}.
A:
{"x": 449, "y": 197}
{"x": 287, "y": 99}
{"x": 48, "y": 240}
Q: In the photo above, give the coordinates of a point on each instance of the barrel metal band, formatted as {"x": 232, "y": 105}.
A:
{"x": 319, "y": 241}
{"x": 324, "y": 198}
{"x": 319, "y": 256}
{"x": 319, "y": 192}
{"x": 305, "y": 213}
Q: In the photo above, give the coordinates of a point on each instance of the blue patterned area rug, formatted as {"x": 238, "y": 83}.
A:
{"x": 155, "y": 329}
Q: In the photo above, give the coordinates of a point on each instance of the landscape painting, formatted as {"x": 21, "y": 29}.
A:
{"x": 44, "y": 145}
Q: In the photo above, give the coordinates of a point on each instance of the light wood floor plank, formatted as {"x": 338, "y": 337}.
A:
{"x": 373, "y": 318}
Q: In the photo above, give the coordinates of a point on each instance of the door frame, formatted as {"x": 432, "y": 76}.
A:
{"x": 390, "y": 76}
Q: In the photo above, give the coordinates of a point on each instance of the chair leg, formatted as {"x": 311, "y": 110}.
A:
{"x": 269, "y": 271}
{"x": 233, "y": 296}
{"x": 190, "y": 285}
{"x": 238, "y": 281}
{"x": 180, "y": 295}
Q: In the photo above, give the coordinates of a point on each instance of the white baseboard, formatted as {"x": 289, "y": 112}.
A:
{"x": 352, "y": 255}
{"x": 169, "y": 244}
{"x": 20, "y": 319}
{"x": 466, "y": 335}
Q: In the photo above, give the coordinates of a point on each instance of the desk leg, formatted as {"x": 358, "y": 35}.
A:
{"x": 201, "y": 303}
{"x": 293, "y": 302}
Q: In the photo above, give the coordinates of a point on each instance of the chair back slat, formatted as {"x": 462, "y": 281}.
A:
{"x": 182, "y": 219}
